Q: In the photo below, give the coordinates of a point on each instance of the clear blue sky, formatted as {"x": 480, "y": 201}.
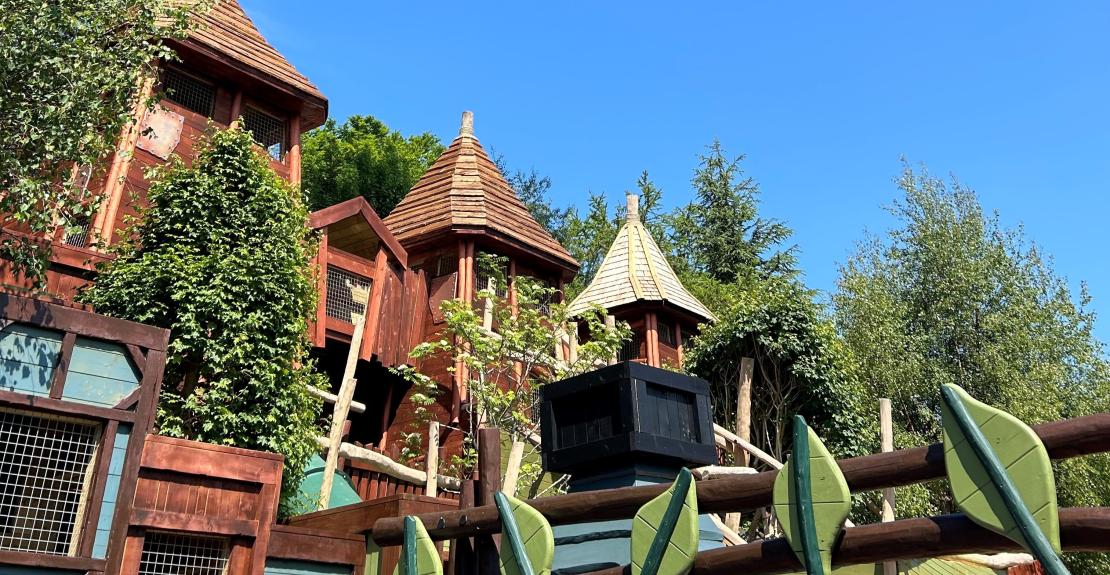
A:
{"x": 823, "y": 98}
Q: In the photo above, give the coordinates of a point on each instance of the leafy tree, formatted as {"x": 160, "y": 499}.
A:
{"x": 222, "y": 257}
{"x": 951, "y": 296}
{"x": 509, "y": 352}
{"x": 69, "y": 77}
{"x": 363, "y": 157}
{"x": 721, "y": 233}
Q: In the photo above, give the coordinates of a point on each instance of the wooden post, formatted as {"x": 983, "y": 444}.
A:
{"x": 744, "y": 405}
{"x": 114, "y": 182}
{"x": 512, "y": 470}
{"x": 346, "y": 394}
{"x": 432, "y": 459}
{"x": 611, "y": 323}
{"x": 487, "y": 305}
{"x": 236, "y": 108}
{"x": 652, "y": 340}
{"x": 294, "y": 154}
{"x": 489, "y": 482}
{"x": 461, "y": 560}
{"x": 572, "y": 327}
{"x": 886, "y": 434}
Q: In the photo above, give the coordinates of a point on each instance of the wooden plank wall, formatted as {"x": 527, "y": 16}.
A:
{"x": 204, "y": 489}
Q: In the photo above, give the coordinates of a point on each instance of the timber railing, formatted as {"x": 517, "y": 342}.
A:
{"x": 1083, "y": 529}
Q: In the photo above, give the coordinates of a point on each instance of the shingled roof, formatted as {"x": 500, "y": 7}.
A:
{"x": 464, "y": 190}
{"x": 636, "y": 270}
{"x": 231, "y": 34}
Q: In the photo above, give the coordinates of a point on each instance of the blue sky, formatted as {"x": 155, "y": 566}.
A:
{"x": 823, "y": 98}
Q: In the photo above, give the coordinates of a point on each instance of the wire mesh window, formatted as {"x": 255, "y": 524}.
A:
{"x": 181, "y": 554}
{"x": 665, "y": 329}
{"x": 631, "y": 349}
{"x": 485, "y": 274}
{"x": 445, "y": 265}
{"x": 339, "y": 304}
{"x": 78, "y": 236}
{"x": 268, "y": 130}
{"x": 189, "y": 92}
{"x": 45, "y": 468}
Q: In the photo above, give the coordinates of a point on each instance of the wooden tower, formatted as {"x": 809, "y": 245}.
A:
{"x": 226, "y": 71}
{"x": 637, "y": 285}
{"x": 461, "y": 207}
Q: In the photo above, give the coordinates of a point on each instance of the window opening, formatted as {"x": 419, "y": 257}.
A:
{"x": 181, "y": 554}
{"x": 339, "y": 304}
{"x": 189, "y": 92}
{"x": 268, "y": 130}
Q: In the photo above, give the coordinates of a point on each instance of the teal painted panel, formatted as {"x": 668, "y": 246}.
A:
{"x": 308, "y": 493}
{"x": 288, "y": 567}
{"x": 28, "y": 357}
{"x": 111, "y": 491}
{"x": 100, "y": 373}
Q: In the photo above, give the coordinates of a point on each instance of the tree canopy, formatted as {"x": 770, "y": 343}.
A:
{"x": 363, "y": 157}
{"x": 222, "y": 257}
{"x": 70, "y": 73}
{"x": 952, "y": 296}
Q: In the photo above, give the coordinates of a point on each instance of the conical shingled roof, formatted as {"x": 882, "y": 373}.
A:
{"x": 226, "y": 30}
{"x": 635, "y": 269}
{"x": 464, "y": 190}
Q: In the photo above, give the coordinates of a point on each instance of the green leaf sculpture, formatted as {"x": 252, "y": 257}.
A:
{"x": 811, "y": 500}
{"x": 665, "y": 530}
{"x": 1001, "y": 475}
{"x": 418, "y": 554}
{"x": 531, "y": 543}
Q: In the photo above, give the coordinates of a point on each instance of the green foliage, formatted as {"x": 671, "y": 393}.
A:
{"x": 222, "y": 257}
{"x": 950, "y": 296}
{"x": 509, "y": 353}
{"x": 721, "y": 234}
{"x": 69, "y": 77}
{"x": 801, "y": 366}
{"x": 363, "y": 157}
{"x": 534, "y": 190}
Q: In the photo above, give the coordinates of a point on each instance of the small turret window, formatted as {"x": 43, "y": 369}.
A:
{"x": 189, "y": 92}
{"x": 268, "y": 130}
{"x": 666, "y": 333}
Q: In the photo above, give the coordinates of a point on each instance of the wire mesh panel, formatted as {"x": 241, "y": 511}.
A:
{"x": 79, "y": 236}
{"x": 268, "y": 130}
{"x": 339, "y": 304}
{"x": 631, "y": 349}
{"x": 45, "y": 467}
{"x": 189, "y": 92}
{"x": 181, "y": 554}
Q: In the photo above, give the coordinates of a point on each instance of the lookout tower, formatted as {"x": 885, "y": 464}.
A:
{"x": 462, "y": 207}
{"x": 637, "y": 285}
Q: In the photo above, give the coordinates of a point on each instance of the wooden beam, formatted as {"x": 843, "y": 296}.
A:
{"x": 489, "y": 482}
{"x": 744, "y": 405}
{"x": 115, "y": 180}
{"x": 512, "y": 470}
{"x": 294, "y": 155}
{"x": 62, "y": 370}
{"x": 174, "y": 521}
{"x": 356, "y": 406}
{"x": 1083, "y": 529}
{"x": 62, "y": 407}
{"x": 727, "y": 439}
{"x": 346, "y": 394}
{"x": 375, "y": 305}
{"x": 1063, "y": 439}
{"x": 60, "y": 562}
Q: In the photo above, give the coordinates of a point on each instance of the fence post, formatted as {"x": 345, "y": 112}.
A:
{"x": 489, "y": 482}
{"x": 886, "y": 433}
{"x": 432, "y": 460}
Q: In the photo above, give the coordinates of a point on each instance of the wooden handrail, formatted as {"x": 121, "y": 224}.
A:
{"x": 1082, "y": 529}
{"x": 1063, "y": 439}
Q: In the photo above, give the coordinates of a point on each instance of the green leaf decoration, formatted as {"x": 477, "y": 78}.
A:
{"x": 665, "y": 530}
{"x": 811, "y": 500}
{"x": 1001, "y": 475}
{"x": 528, "y": 544}
{"x": 418, "y": 554}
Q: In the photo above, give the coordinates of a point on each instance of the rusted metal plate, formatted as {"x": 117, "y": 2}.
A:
{"x": 160, "y": 132}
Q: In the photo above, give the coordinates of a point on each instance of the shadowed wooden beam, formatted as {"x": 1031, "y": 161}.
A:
{"x": 1063, "y": 439}
{"x": 1082, "y": 529}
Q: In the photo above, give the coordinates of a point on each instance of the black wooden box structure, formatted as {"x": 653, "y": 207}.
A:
{"x": 628, "y": 413}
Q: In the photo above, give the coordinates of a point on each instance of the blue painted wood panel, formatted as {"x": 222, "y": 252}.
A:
{"x": 28, "y": 357}
{"x": 111, "y": 491}
{"x": 100, "y": 373}
{"x": 289, "y": 567}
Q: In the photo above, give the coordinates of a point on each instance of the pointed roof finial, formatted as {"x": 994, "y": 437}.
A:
{"x": 633, "y": 206}
{"x": 467, "y": 127}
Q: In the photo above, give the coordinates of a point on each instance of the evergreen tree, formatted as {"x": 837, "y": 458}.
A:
{"x": 721, "y": 233}
{"x": 222, "y": 257}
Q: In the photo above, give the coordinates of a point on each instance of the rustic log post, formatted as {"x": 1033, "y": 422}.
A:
{"x": 461, "y": 558}
{"x": 611, "y": 323}
{"x": 744, "y": 405}
{"x": 432, "y": 460}
{"x": 489, "y": 482}
{"x": 572, "y": 354}
{"x": 346, "y": 394}
{"x": 886, "y": 433}
{"x": 512, "y": 471}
